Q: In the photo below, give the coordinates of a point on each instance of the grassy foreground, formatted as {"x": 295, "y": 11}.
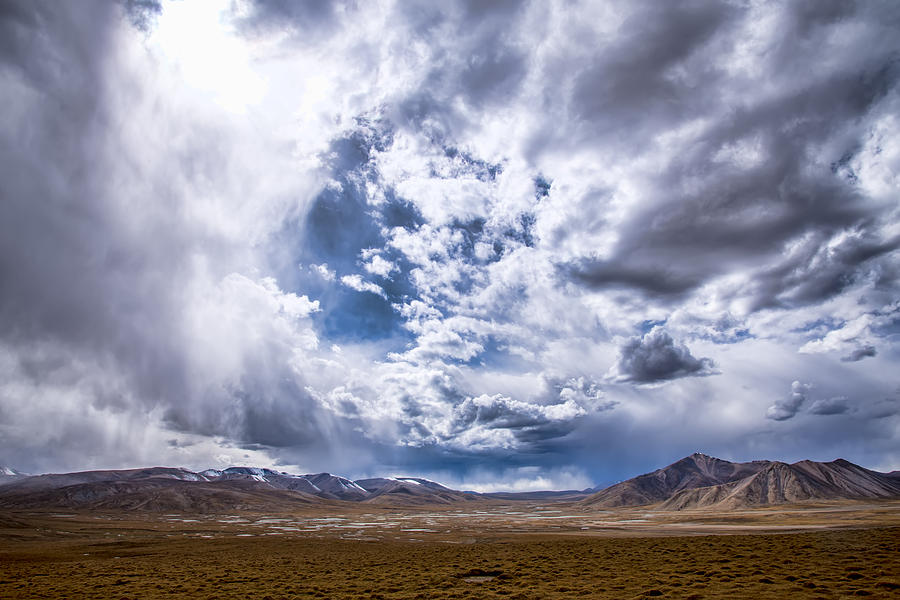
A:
{"x": 135, "y": 561}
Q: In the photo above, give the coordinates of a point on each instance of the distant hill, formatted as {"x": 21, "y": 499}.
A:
{"x": 700, "y": 481}
{"x": 540, "y": 496}
{"x": 411, "y": 491}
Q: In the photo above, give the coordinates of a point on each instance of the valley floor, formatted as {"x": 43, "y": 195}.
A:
{"x": 812, "y": 551}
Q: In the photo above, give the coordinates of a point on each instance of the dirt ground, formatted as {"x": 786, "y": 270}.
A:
{"x": 827, "y": 552}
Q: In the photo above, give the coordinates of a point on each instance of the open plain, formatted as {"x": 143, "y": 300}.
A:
{"x": 482, "y": 550}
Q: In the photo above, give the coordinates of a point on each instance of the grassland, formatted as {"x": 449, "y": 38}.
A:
{"x": 828, "y": 551}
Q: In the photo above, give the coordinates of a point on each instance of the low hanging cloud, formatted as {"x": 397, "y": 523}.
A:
{"x": 657, "y": 357}
{"x": 786, "y": 408}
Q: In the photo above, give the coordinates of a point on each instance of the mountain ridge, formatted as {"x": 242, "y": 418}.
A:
{"x": 701, "y": 481}
{"x": 696, "y": 470}
{"x": 695, "y": 481}
{"x": 177, "y": 488}
{"x": 782, "y": 483}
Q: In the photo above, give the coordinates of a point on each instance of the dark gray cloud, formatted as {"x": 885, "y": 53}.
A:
{"x": 740, "y": 215}
{"x": 657, "y": 357}
{"x": 787, "y": 408}
{"x": 53, "y": 159}
{"x": 830, "y": 406}
{"x": 818, "y": 269}
{"x": 773, "y": 171}
{"x": 54, "y": 165}
{"x": 857, "y": 354}
{"x": 633, "y": 82}
{"x": 651, "y": 278}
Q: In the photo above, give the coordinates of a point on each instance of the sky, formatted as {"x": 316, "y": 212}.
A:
{"x": 504, "y": 245}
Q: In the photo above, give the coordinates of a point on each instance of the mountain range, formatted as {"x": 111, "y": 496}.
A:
{"x": 241, "y": 488}
{"x": 696, "y": 481}
{"x": 699, "y": 481}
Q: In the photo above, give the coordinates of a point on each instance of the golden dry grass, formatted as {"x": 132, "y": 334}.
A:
{"x": 119, "y": 556}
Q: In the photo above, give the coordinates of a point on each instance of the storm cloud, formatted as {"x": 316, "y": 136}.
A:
{"x": 657, "y": 357}
{"x": 461, "y": 239}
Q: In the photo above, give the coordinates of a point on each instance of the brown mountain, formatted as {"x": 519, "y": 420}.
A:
{"x": 780, "y": 483}
{"x": 58, "y": 480}
{"x": 234, "y": 488}
{"x": 694, "y": 471}
{"x": 159, "y": 495}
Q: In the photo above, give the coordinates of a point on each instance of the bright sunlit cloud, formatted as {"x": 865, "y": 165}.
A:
{"x": 197, "y": 40}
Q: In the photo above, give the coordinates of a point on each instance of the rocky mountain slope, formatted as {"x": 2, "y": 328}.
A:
{"x": 694, "y": 471}
{"x": 780, "y": 483}
{"x": 699, "y": 481}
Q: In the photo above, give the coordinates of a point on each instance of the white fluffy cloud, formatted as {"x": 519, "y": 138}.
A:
{"x": 356, "y": 282}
